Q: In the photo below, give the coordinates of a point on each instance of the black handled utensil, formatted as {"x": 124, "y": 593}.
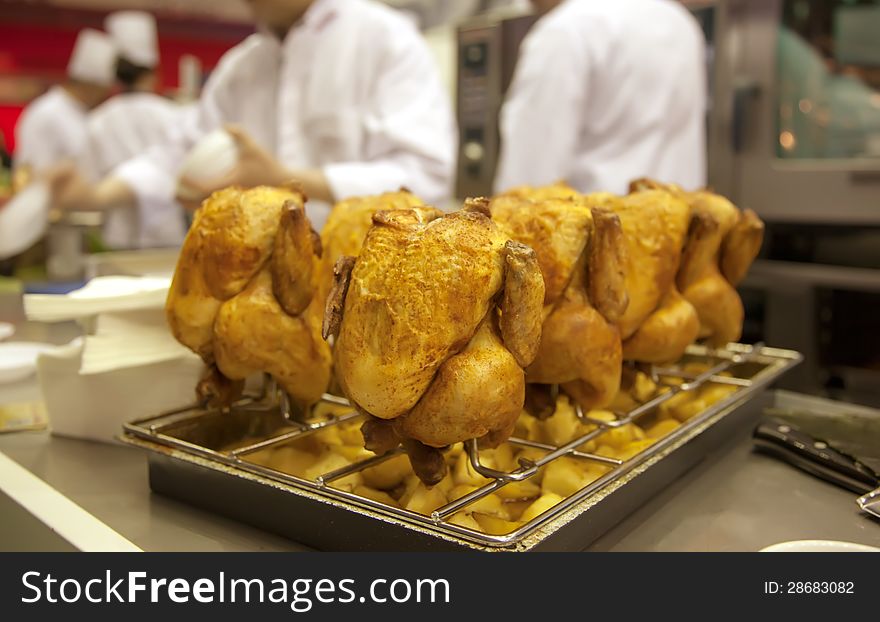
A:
{"x": 781, "y": 439}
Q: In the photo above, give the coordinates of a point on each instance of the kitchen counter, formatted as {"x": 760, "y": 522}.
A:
{"x": 734, "y": 500}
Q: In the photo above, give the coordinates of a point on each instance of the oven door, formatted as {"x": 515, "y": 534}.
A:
{"x": 795, "y": 129}
{"x": 487, "y": 53}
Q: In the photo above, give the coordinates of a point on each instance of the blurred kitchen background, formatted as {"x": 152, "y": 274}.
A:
{"x": 793, "y": 132}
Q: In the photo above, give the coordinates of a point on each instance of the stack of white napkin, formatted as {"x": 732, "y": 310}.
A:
{"x": 126, "y": 367}
{"x": 129, "y": 326}
{"x": 103, "y": 294}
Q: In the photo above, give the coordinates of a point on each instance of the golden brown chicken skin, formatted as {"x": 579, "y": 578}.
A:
{"x": 243, "y": 294}
{"x": 654, "y": 224}
{"x": 347, "y": 226}
{"x": 717, "y": 303}
{"x": 741, "y": 246}
{"x": 721, "y": 244}
{"x": 665, "y": 335}
{"x": 421, "y": 342}
{"x": 582, "y": 256}
{"x": 659, "y": 323}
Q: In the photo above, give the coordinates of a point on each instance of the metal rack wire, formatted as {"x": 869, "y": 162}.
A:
{"x": 723, "y": 366}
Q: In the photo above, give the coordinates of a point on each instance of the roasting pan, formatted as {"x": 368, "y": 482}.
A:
{"x": 204, "y": 457}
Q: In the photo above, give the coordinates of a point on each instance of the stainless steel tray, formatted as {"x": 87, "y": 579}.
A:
{"x": 190, "y": 459}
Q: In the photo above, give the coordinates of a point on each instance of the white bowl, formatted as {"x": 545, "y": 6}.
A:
{"x": 24, "y": 219}
{"x": 6, "y": 330}
{"x": 18, "y": 359}
{"x": 213, "y": 157}
{"x": 819, "y": 546}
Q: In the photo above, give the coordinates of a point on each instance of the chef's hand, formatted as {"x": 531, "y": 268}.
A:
{"x": 255, "y": 167}
{"x": 70, "y": 191}
{"x": 22, "y": 175}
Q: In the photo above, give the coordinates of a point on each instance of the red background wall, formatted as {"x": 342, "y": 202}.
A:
{"x": 35, "y": 43}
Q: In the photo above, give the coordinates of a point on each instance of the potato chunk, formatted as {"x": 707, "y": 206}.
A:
{"x": 541, "y": 505}
{"x": 494, "y": 525}
{"x": 376, "y": 495}
{"x": 389, "y": 474}
{"x": 565, "y": 476}
{"x": 425, "y": 500}
{"x": 463, "y": 519}
{"x": 662, "y": 428}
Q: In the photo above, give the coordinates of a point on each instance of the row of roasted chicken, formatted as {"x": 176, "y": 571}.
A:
{"x": 440, "y": 326}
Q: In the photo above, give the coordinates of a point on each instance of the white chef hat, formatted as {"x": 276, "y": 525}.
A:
{"x": 93, "y": 58}
{"x": 134, "y": 33}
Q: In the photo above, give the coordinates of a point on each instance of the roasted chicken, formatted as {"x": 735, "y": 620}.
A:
{"x": 433, "y": 323}
{"x": 741, "y": 246}
{"x": 347, "y": 226}
{"x": 658, "y": 324}
{"x": 581, "y": 254}
{"x": 665, "y": 334}
{"x": 721, "y": 244}
{"x": 243, "y": 294}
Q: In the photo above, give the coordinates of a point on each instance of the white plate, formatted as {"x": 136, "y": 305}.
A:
{"x": 24, "y": 219}
{"x": 6, "y": 330}
{"x": 103, "y": 294}
{"x": 819, "y": 546}
{"x": 18, "y": 359}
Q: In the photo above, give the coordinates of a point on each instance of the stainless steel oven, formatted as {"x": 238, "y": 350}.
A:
{"x": 487, "y": 51}
{"x": 794, "y": 133}
{"x": 795, "y": 125}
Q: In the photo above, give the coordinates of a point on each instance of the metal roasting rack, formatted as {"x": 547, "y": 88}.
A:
{"x": 746, "y": 368}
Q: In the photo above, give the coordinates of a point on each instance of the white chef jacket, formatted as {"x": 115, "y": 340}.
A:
{"x": 352, "y": 90}
{"x": 51, "y": 129}
{"x": 122, "y": 128}
{"x": 606, "y": 92}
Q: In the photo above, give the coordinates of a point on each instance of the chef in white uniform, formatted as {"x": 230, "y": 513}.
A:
{"x": 128, "y": 124}
{"x": 52, "y": 127}
{"x": 341, "y": 95}
{"x": 606, "y": 92}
